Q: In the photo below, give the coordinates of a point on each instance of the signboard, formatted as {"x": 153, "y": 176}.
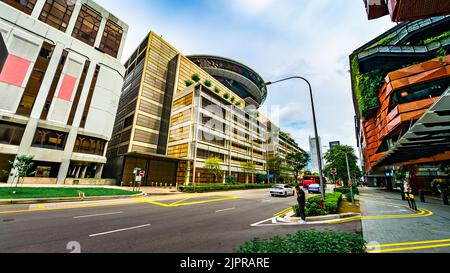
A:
{"x": 141, "y": 173}
{"x": 334, "y": 144}
{"x": 334, "y": 171}
{"x": 270, "y": 176}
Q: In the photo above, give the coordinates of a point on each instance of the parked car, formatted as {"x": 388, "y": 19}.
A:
{"x": 314, "y": 188}
{"x": 282, "y": 190}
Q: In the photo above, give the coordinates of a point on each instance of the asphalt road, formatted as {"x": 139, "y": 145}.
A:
{"x": 206, "y": 223}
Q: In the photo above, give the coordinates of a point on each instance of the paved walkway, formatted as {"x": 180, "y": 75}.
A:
{"x": 390, "y": 226}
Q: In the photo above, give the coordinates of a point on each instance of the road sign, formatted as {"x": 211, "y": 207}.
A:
{"x": 141, "y": 173}
{"x": 334, "y": 171}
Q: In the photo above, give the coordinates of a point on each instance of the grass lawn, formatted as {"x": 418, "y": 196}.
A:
{"x": 26, "y": 193}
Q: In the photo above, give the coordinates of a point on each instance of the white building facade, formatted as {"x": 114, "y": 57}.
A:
{"x": 60, "y": 86}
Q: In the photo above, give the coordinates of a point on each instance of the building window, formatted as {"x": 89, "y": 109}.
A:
{"x": 89, "y": 98}
{"x": 35, "y": 81}
{"x": 87, "y": 25}
{"x": 11, "y": 133}
{"x": 26, "y": 6}
{"x": 419, "y": 92}
{"x": 112, "y": 38}
{"x": 89, "y": 145}
{"x": 57, "y": 13}
{"x": 49, "y": 139}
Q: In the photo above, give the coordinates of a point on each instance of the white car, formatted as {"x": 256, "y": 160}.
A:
{"x": 282, "y": 190}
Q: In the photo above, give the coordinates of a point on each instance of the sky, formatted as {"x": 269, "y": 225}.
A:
{"x": 277, "y": 38}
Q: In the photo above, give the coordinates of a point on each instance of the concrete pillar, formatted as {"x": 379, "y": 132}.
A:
{"x": 73, "y": 19}
{"x": 38, "y": 9}
{"x": 77, "y": 172}
{"x": 83, "y": 172}
{"x": 99, "y": 171}
{"x": 187, "y": 177}
{"x": 32, "y": 124}
{"x": 101, "y": 29}
{"x": 71, "y": 139}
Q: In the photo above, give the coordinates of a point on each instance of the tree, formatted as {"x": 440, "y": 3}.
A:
{"x": 21, "y": 168}
{"x": 248, "y": 168}
{"x": 275, "y": 165}
{"x": 297, "y": 162}
{"x": 213, "y": 166}
{"x": 336, "y": 159}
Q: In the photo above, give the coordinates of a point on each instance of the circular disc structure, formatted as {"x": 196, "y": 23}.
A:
{"x": 239, "y": 78}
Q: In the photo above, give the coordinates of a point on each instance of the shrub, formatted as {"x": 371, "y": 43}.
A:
{"x": 226, "y": 96}
{"x": 195, "y": 77}
{"x": 220, "y": 187}
{"x": 312, "y": 206}
{"x": 346, "y": 190}
{"x": 208, "y": 83}
{"x": 307, "y": 241}
{"x": 232, "y": 99}
{"x": 238, "y": 103}
{"x": 229, "y": 179}
{"x": 216, "y": 89}
{"x": 188, "y": 82}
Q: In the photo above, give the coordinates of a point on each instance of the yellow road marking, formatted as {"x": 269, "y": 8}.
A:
{"x": 409, "y": 248}
{"x": 66, "y": 207}
{"x": 182, "y": 200}
{"x": 181, "y": 203}
{"x": 285, "y": 211}
{"x": 205, "y": 201}
{"x": 410, "y": 243}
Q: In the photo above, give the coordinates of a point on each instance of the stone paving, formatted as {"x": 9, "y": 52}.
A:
{"x": 376, "y": 202}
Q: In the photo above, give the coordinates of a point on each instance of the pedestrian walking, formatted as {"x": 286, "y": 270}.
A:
{"x": 406, "y": 190}
{"x": 301, "y": 200}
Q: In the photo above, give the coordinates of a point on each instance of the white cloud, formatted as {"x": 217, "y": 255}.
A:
{"x": 251, "y": 7}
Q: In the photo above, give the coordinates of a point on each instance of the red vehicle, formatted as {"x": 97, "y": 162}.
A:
{"x": 310, "y": 180}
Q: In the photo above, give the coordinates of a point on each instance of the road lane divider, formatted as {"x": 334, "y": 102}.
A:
{"x": 223, "y": 210}
{"x": 97, "y": 215}
{"x": 119, "y": 230}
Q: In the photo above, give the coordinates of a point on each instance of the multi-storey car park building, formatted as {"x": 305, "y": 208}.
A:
{"x": 60, "y": 86}
{"x": 279, "y": 144}
{"x": 174, "y": 114}
{"x": 402, "y": 98}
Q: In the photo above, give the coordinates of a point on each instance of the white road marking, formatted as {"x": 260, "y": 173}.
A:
{"x": 95, "y": 215}
{"x": 118, "y": 230}
{"x": 222, "y": 210}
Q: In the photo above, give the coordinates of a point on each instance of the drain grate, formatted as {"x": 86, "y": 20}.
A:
{"x": 7, "y": 220}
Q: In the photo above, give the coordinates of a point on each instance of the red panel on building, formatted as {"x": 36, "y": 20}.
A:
{"x": 67, "y": 88}
{"x": 406, "y": 10}
{"x": 15, "y": 70}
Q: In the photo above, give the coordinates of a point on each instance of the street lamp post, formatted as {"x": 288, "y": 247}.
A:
{"x": 315, "y": 127}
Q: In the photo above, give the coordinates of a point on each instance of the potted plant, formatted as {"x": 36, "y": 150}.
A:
{"x": 188, "y": 82}
{"x": 196, "y": 77}
{"x": 208, "y": 83}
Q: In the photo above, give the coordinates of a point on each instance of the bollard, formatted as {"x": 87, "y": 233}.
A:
{"x": 160, "y": 185}
{"x": 445, "y": 197}
{"x": 422, "y": 196}
{"x": 165, "y": 185}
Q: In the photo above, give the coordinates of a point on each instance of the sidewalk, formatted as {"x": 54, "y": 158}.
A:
{"x": 386, "y": 220}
